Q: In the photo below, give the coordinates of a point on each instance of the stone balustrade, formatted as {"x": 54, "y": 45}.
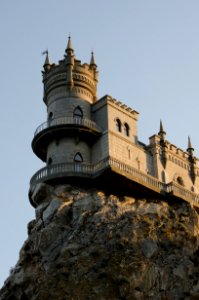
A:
{"x": 137, "y": 175}
{"x": 68, "y": 121}
{"x": 90, "y": 171}
{"x": 181, "y": 192}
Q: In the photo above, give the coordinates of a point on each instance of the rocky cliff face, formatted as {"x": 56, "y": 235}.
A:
{"x": 85, "y": 244}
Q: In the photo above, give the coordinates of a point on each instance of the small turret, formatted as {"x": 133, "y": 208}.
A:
{"x": 93, "y": 67}
{"x": 163, "y": 145}
{"x": 92, "y": 62}
{"x": 192, "y": 160}
{"x": 69, "y": 56}
{"x": 69, "y": 50}
{"x": 161, "y": 132}
{"x": 47, "y": 64}
{"x": 190, "y": 149}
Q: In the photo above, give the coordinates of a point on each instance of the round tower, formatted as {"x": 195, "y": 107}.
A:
{"x": 64, "y": 141}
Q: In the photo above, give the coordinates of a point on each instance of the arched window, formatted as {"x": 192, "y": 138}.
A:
{"x": 118, "y": 125}
{"x": 78, "y": 157}
{"x": 78, "y": 113}
{"x": 126, "y": 129}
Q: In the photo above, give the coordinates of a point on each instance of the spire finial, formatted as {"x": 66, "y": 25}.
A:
{"x": 92, "y": 61}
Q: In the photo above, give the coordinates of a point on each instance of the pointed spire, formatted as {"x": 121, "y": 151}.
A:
{"x": 69, "y": 46}
{"x": 69, "y": 50}
{"x": 190, "y": 149}
{"x": 161, "y": 126}
{"x": 189, "y": 143}
{"x": 92, "y": 61}
{"x": 47, "y": 64}
{"x": 161, "y": 132}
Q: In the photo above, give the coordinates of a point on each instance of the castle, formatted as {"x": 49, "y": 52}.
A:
{"x": 85, "y": 138}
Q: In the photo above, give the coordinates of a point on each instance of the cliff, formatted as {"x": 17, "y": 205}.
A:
{"x": 85, "y": 244}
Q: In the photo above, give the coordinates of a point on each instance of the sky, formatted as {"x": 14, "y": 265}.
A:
{"x": 147, "y": 52}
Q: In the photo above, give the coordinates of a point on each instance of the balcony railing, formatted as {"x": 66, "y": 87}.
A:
{"x": 137, "y": 175}
{"x": 90, "y": 170}
{"x": 67, "y": 169}
{"x": 181, "y": 192}
{"x": 68, "y": 121}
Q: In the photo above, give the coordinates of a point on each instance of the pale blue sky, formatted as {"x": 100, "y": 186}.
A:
{"x": 147, "y": 53}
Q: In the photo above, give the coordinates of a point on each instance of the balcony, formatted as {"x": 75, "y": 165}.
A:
{"x": 92, "y": 171}
{"x": 68, "y": 121}
{"x": 63, "y": 126}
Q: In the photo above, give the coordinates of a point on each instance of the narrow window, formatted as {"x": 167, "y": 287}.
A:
{"x": 126, "y": 129}
{"x": 50, "y": 117}
{"x": 118, "y": 125}
{"x": 78, "y": 157}
{"x": 78, "y": 113}
{"x": 129, "y": 153}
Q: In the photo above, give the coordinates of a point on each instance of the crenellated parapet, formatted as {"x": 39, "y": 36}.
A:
{"x": 70, "y": 77}
{"x": 172, "y": 163}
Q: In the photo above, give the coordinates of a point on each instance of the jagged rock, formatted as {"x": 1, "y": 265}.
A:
{"x": 84, "y": 244}
{"x": 40, "y": 192}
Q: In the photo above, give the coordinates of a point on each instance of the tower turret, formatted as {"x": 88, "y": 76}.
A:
{"x": 65, "y": 140}
{"x": 70, "y": 78}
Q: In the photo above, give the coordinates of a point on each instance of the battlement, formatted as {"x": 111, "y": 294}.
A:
{"x": 76, "y": 79}
{"x": 118, "y": 104}
{"x": 171, "y": 148}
